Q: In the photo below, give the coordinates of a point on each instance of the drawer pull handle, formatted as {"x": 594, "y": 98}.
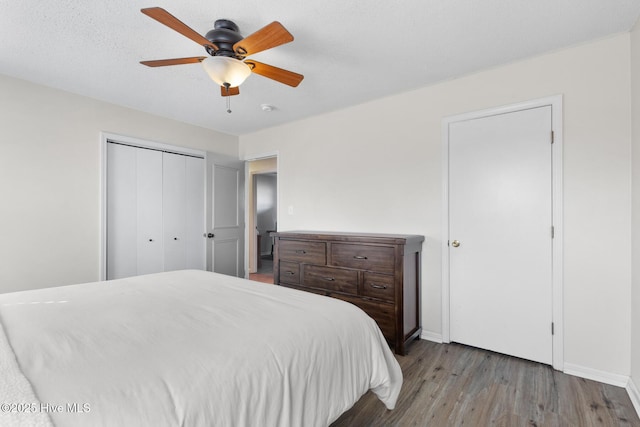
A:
{"x": 359, "y": 257}
{"x": 301, "y": 251}
{"x": 290, "y": 273}
{"x": 373, "y": 285}
{"x": 330, "y": 279}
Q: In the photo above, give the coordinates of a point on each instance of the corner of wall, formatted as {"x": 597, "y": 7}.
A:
{"x": 634, "y": 379}
{"x": 431, "y": 336}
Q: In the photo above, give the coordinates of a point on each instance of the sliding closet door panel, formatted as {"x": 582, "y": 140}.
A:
{"x": 195, "y": 229}
{"x": 121, "y": 211}
{"x": 173, "y": 207}
{"x": 149, "y": 217}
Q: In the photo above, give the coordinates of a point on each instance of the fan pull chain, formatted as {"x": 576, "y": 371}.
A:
{"x": 226, "y": 86}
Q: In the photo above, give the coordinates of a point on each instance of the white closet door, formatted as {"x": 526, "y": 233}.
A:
{"x": 500, "y": 218}
{"x": 121, "y": 211}
{"x": 155, "y": 211}
{"x": 149, "y": 211}
{"x": 174, "y": 211}
{"x": 195, "y": 229}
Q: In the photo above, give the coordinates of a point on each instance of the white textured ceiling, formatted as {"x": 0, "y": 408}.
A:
{"x": 348, "y": 51}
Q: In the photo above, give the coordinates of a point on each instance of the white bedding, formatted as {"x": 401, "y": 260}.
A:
{"x": 192, "y": 348}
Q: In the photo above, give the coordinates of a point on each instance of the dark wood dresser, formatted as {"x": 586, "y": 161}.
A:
{"x": 380, "y": 273}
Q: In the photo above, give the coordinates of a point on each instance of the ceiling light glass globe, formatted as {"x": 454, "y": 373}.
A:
{"x": 223, "y": 69}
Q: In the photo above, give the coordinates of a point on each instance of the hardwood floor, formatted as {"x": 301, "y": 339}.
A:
{"x": 260, "y": 277}
{"x": 455, "y": 385}
{"x": 265, "y": 271}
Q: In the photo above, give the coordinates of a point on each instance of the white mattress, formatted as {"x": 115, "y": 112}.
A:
{"x": 192, "y": 348}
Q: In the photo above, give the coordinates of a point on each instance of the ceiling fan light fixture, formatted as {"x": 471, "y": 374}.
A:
{"x": 223, "y": 69}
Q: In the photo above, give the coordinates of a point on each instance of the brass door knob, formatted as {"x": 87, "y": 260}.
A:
{"x": 455, "y": 243}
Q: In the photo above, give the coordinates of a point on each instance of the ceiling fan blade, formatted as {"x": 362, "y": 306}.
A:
{"x": 265, "y": 38}
{"x": 232, "y": 91}
{"x": 278, "y": 74}
{"x": 164, "y": 17}
{"x": 175, "y": 61}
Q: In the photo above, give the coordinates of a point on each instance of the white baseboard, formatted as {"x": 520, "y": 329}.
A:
{"x": 596, "y": 375}
{"x": 634, "y": 395}
{"x": 431, "y": 336}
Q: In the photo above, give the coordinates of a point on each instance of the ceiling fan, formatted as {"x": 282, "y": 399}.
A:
{"x": 227, "y": 64}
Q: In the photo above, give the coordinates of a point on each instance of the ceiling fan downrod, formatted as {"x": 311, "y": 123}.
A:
{"x": 226, "y": 86}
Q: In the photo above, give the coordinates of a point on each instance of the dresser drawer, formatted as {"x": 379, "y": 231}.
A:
{"x": 300, "y": 251}
{"x": 383, "y": 314}
{"x": 333, "y": 279}
{"x": 364, "y": 257}
{"x": 378, "y": 286}
{"x": 289, "y": 272}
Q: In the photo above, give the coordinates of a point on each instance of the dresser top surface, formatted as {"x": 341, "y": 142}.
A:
{"x": 350, "y": 236}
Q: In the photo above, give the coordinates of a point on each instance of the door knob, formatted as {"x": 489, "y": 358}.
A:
{"x": 210, "y": 235}
{"x": 455, "y": 243}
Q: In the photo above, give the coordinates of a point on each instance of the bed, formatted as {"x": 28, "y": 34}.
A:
{"x": 187, "y": 348}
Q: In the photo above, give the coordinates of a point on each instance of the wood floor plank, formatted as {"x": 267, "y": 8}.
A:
{"x": 456, "y": 385}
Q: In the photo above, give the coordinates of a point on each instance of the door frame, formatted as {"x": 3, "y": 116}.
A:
{"x": 106, "y": 137}
{"x": 557, "y": 214}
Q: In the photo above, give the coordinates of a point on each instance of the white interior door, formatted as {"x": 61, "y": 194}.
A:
{"x": 227, "y": 216}
{"x": 174, "y": 202}
{"x": 149, "y": 241}
{"x": 134, "y": 201}
{"x": 500, "y": 222}
{"x": 121, "y": 227}
{"x": 183, "y": 211}
{"x": 195, "y": 208}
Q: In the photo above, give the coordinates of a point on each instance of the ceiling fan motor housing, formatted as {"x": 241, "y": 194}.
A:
{"x": 224, "y": 35}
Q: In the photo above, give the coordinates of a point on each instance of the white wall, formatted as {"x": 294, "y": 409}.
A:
{"x": 635, "y": 299}
{"x": 50, "y": 178}
{"x": 377, "y": 167}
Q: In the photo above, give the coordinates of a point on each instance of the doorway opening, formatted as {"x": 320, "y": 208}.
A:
{"x": 263, "y": 220}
